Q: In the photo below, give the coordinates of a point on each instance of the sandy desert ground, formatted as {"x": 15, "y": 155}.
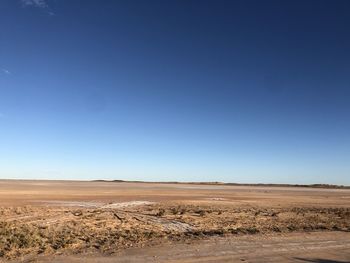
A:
{"x": 71, "y": 221}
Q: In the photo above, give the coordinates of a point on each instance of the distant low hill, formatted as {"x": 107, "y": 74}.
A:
{"x": 325, "y": 186}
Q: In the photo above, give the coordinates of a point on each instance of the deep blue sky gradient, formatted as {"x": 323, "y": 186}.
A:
{"x": 234, "y": 91}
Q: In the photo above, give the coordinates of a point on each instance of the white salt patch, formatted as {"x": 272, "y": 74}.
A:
{"x": 216, "y": 199}
{"x": 127, "y": 204}
{"x": 95, "y": 204}
{"x": 74, "y": 204}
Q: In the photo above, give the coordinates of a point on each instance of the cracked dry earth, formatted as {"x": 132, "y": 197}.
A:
{"x": 76, "y": 223}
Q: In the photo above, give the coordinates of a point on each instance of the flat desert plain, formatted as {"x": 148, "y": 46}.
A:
{"x": 76, "y": 221}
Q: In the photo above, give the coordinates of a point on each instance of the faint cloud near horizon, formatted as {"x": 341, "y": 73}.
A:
{"x": 6, "y": 71}
{"x": 38, "y": 3}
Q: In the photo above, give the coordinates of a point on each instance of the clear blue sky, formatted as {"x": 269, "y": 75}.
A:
{"x": 234, "y": 91}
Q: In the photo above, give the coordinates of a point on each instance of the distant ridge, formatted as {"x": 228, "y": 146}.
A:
{"x": 324, "y": 186}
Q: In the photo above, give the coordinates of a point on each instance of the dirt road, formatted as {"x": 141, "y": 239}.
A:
{"x": 318, "y": 247}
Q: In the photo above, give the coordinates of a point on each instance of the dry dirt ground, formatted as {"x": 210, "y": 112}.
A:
{"x": 70, "y": 221}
